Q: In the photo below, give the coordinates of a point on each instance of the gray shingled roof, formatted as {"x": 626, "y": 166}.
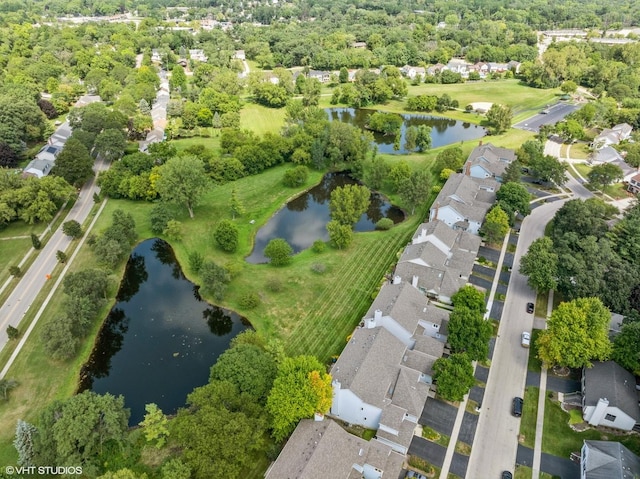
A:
{"x": 606, "y": 379}
{"x": 427, "y": 252}
{"x": 463, "y": 194}
{"x": 493, "y": 158}
{"x": 436, "y": 280}
{"x": 437, "y": 228}
{"x": 608, "y": 460}
{"x": 402, "y": 302}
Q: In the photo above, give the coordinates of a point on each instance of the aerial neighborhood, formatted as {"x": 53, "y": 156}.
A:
{"x": 319, "y": 240}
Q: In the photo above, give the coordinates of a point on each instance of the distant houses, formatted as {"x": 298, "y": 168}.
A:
{"x": 612, "y": 136}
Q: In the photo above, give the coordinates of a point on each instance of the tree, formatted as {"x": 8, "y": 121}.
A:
{"x": 469, "y": 333}
{"x": 410, "y": 138}
{"x": 570, "y": 130}
{"x": 470, "y": 298}
{"x": 155, "y": 425}
{"x": 343, "y": 77}
{"x": 72, "y": 228}
{"x": 278, "y": 251}
{"x": 178, "y": 78}
{"x": 529, "y": 151}
{"x": 61, "y": 256}
{"x": 24, "y": 442}
{"x": 376, "y": 172}
{"x": 75, "y": 430}
{"x": 605, "y": 174}
{"x": 88, "y": 283}
{"x": 74, "y": 163}
{"x": 626, "y": 347}
{"x": 512, "y": 173}
{"x": 348, "y": 203}
{"x": 386, "y": 123}
{"x": 214, "y": 278}
{"x": 8, "y": 156}
{"x": 226, "y": 235}
{"x": 249, "y": 367}
{"x": 110, "y": 144}
{"x": 12, "y": 333}
{"x": 499, "y": 118}
{"x": 513, "y": 198}
{"x": 496, "y": 225}
{"x": 423, "y": 139}
{"x": 182, "y": 180}
{"x": 300, "y": 389}
{"x": 339, "y": 234}
{"x": 295, "y": 177}
{"x": 15, "y": 271}
{"x": 547, "y": 168}
{"x": 450, "y": 158}
{"x": 398, "y": 173}
{"x": 568, "y": 86}
{"x": 414, "y": 190}
{"x": 58, "y": 339}
{"x": 577, "y": 332}
{"x": 175, "y": 469}
{"x": 173, "y": 231}
{"x": 237, "y": 208}
{"x": 7, "y": 385}
{"x": 453, "y": 376}
{"x": 220, "y": 432}
{"x": 540, "y": 265}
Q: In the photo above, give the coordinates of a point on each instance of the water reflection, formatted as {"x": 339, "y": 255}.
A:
{"x": 444, "y": 131}
{"x": 160, "y": 339}
{"x": 303, "y": 220}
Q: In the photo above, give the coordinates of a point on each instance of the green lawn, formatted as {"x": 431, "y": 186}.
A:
{"x": 11, "y": 253}
{"x": 529, "y": 416}
{"x": 534, "y": 364}
{"x": 560, "y": 440}
{"x": 583, "y": 169}
{"x": 524, "y": 472}
{"x": 578, "y": 150}
{"x": 261, "y": 119}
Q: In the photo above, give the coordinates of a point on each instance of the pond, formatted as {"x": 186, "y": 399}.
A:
{"x": 444, "y": 131}
{"x": 160, "y": 339}
{"x": 304, "y": 219}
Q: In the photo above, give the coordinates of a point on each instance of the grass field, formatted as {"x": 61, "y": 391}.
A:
{"x": 560, "y": 440}
{"x": 261, "y": 119}
{"x": 529, "y": 416}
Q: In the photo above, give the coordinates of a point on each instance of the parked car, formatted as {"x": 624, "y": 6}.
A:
{"x": 516, "y": 408}
{"x": 530, "y": 308}
{"x": 506, "y": 475}
{"x": 526, "y": 339}
{"x": 414, "y": 475}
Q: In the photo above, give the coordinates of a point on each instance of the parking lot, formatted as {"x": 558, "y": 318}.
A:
{"x": 553, "y": 115}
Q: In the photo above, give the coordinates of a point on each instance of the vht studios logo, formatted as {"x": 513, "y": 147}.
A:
{"x": 41, "y": 470}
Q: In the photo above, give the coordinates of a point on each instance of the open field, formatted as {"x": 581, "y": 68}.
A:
{"x": 261, "y": 119}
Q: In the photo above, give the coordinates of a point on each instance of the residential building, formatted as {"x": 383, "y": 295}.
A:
{"x": 323, "y": 449}
{"x": 155, "y": 56}
{"x": 439, "y": 260}
{"x": 413, "y": 72}
{"x": 612, "y": 136}
{"x": 463, "y": 202}
{"x": 198, "y": 55}
{"x": 608, "y": 460}
{"x": 239, "y": 55}
{"x": 38, "y": 168}
{"x": 458, "y": 65}
{"x": 488, "y": 161}
{"x": 634, "y": 184}
{"x": 609, "y": 396}
{"x": 49, "y": 152}
{"x": 320, "y": 75}
{"x": 360, "y": 45}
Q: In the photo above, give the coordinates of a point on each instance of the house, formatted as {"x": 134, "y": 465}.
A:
{"x": 239, "y": 55}
{"x": 612, "y": 136}
{"x": 609, "y": 396}
{"x": 458, "y": 65}
{"x": 49, "y": 152}
{"x": 198, "y": 55}
{"x": 155, "y": 56}
{"x": 435, "y": 69}
{"x": 413, "y": 72}
{"x": 514, "y": 66}
{"x": 38, "y": 168}
{"x": 606, "y": 460}
{"x": 383, "y": 377}
{"x": 481, "y": 68}
{"x": 358, "y": 45}
{"x": 464, "y": 201}
{"x": 439, "y": 260}
{"x": 320, "y": 75}
{"x": 498, "y": 67}
{"x": 634, "y": 184}
{"x": 488, "y": 161}
{"x": 323, "y": 449}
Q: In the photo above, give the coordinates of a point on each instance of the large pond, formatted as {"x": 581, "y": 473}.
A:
{"x": 160, "y": 339}
{"x": 444, "y": 131}
{"x": 304, "y": 219}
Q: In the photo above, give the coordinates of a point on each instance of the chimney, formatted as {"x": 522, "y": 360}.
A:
{"x": 435, "y": 215}
{"x": 414, "y": 282}
{"x": 480, "y": 143}
{"x": 468, "y": 169}
{"x": 397, "y": 280}
{"x": 377, "y": 314}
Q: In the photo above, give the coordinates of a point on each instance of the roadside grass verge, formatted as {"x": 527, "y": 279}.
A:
{"x": 525, "y": 472}
{"x": 534, "y": 364}
{"x": 529, "y": 416}
{"x": 579, "y": 151}
{"x": 560, "y": 440}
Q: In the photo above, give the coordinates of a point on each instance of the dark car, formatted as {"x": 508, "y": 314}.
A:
{"x": 529, "y": 308}
{"x": 506, "y": 475}
{"x": 516, "y": 410}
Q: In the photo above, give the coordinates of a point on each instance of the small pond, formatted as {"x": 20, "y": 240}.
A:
{"x": 304, "y": 219}
{"x": 444, "y": 131}
{"x": 161, "y": 338}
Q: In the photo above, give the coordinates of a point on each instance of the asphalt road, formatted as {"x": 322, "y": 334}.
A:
{"x": 23, "y": 295}
{"x": 496, "y": 441}
{"x": 555, "y": 113}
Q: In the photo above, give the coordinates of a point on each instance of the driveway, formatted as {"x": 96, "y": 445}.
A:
{"x": 439, "y": 416}
{"x": 427, "y": 450}
{"x": 459, "y": 464}
{"x": 562, "y": 385}
{"x": 468, "y": 428}
{"x": 561, "y": 467}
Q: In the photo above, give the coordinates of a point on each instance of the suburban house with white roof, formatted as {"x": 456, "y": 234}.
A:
{"x": 383, "y": 377}
{"x": 464, "y": 201}
{"x": 323, "y": 449}
{"x": 488, "y": 161}
{"x": 609, "y": 396}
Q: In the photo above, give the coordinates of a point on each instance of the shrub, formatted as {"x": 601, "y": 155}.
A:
{"x": 278, "y": 251}
{"x": 436, "y": 189}
{"x": 384, "y": 224}
{"x": 226, "y": 235}
{"x": 15, "y": 271}
{"x": 295, "y": 177}
{"x": 195, "y": 261}
{"x": 274, "y": 285}
{"x": 12, "y": 332}
{"x": 249, "y": 300}
{"x": 160, "y": 215}
{"x": 319, "y": 246}
{"x": 35, "y": 241}
{"x": 72, "y": 228}
{"x": 318, "y": 268}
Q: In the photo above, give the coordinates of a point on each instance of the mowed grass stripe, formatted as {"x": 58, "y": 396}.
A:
{"x": 337, "y": 310}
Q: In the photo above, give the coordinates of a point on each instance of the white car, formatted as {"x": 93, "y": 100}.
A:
{"x": 526, "y": 339}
